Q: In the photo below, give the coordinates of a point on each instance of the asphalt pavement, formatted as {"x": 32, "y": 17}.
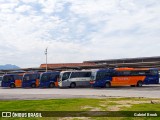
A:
{"x": 147, "y": 91}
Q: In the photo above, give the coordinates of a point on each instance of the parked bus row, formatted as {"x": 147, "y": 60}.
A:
{"x": 95, "y": 78}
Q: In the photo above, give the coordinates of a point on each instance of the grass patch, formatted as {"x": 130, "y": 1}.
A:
{"x": 83, "y": 104}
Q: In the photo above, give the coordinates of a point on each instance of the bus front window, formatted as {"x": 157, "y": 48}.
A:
{"x": 44, "y": 77}
{"x": 7, "y": 78}
{"x": 26, "y": 77}
{"x": 65, "y": 76}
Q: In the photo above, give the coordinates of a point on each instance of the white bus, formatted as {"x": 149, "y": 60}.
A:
{"x": 73, "y": 79}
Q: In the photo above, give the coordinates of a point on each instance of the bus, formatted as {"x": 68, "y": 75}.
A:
{"x": 73, "y": 79}
{"x": 49, "y": 79}
{"x": 30, "y": 80}
{"x": 124, "y": 77}
{"x": 12, "y": 80}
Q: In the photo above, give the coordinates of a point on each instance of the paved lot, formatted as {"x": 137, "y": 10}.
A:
{"x": 49, "y": 93}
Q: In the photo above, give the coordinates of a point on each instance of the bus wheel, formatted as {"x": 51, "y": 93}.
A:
{"x": 107, "y": 85}
{"x": 51, "y": 85}
{"x": 33, "y": 85}
{"x": 12, "y": 86}
{"x": 72, "y": 85}
{"x": 139, "y": 84}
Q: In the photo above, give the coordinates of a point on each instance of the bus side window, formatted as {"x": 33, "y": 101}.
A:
{"x": 88, "y": 74}
{"x": 153, "y": 72}
{"x": 5, "y": 78}
{"x": 74, "y": 75}
{"x": 38, "y": 76}
{"x": 27, "y": 77}
{"x": 52, "y": 76}
{"x": 34, "y": 76}
{"x": 44, "y": 77}
{"x": 15, "y": 77}
{"x": 82, "y": 74}
{"x": 10, "y": 78}
{"x": 20, "y": 77}
{"x": 57, "y": 77}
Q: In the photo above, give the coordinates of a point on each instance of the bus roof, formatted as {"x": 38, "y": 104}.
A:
{"x": 125, "y": 69}
{"x": 51, "y": 72}
{"x": 12, "y": 74}
{"x": 76, "y": 71}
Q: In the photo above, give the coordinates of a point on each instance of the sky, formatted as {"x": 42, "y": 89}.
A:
{"x": 77, "y": 30}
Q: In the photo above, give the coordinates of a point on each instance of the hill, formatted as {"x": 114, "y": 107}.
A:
{"x": 8, "y": 66}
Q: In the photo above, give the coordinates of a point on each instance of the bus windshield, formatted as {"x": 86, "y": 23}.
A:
{"x": 45, "y": 77}
{"x": 7, "y": 78}
{"x": 26, "y": 77}
{"x": 66, "y": 75}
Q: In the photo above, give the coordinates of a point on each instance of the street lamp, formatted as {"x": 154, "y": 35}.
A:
{"x": 46, "y": 58}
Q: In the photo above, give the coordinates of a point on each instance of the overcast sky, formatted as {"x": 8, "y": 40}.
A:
{"x": 77, "y": 30}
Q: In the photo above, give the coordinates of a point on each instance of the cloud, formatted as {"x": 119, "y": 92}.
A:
{"x": 23, "y": 8}
{"x": 76, "y": 31}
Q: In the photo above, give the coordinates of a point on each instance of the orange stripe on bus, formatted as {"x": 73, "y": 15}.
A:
{"x": 18, "y": 83}
{"x": 128, "y": 69}
{"x": 56, "y": 83}
{"x": 37, "y": 82}
{"x": 127, "y": 80}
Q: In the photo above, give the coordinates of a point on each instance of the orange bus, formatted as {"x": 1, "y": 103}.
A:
{"x": 124, "y": 76}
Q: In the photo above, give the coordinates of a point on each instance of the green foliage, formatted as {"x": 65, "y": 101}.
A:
{"x": 82, "y": 104}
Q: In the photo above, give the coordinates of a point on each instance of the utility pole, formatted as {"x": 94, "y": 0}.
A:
{"x": 46, "y": 58}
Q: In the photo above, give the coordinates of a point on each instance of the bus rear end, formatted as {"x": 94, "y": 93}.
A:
{"x": 152, "y": 76}
{"x": 30, "y": 80}
{"x": 12, "y": 80}
{"x": 49, "y": 79}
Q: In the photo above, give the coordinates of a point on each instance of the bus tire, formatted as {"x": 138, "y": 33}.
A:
{"x": 12, "y": 85}
{"x": 33, "y": 85}
{"x": 72, "y": 85}
{"x": 51, "y": 85}
{"x": 139, "y": 84}
{"x": 107, "y": 85}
